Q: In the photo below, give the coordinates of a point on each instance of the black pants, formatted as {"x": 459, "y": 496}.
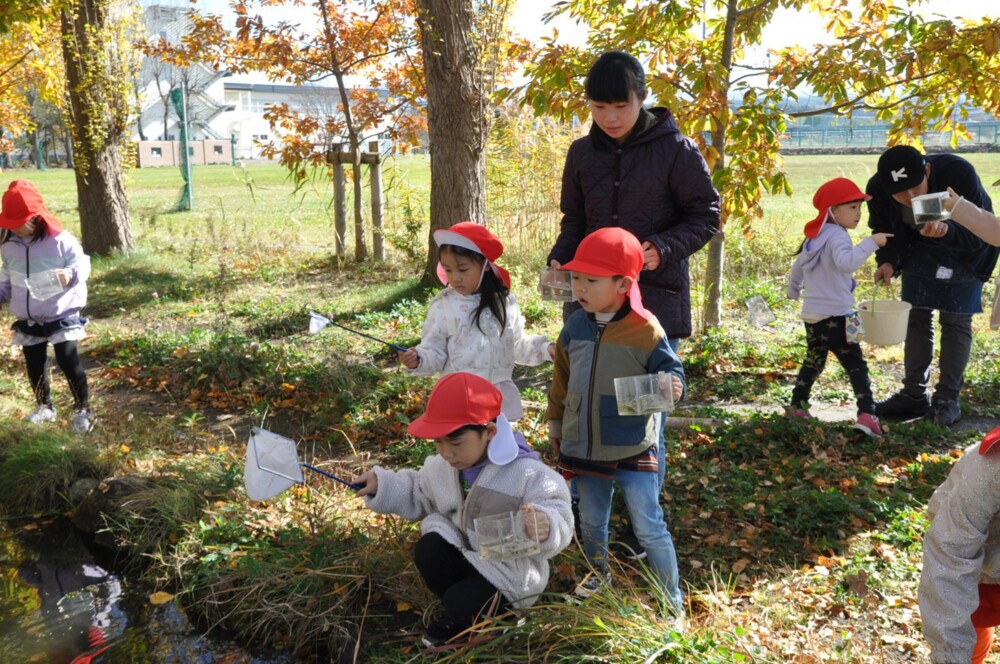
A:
{"x": 825, "y": 337}
{"x": 465, "y": 594}
{"x": 68, "y": 359}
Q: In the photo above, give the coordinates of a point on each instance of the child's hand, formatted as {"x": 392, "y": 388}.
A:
{"x": 63, "y": 275}
{"x": 370, "y": 481}
{"x": 409, "y": 359}
{"x": 552, "y": 351}
{"x": 537, "y": 527}
{"x": 674, "y": 384}
{"x": 881, "y": 238}
{"x": 554, "y": 442}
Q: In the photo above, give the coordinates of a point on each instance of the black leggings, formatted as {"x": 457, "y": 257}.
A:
{"x": 825, "y": 337}
{"x": 68, "y": 359}
{"x": 464, "y": 592}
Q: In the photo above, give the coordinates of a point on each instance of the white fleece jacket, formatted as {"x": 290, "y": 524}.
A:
{"x": 434, "y": 496}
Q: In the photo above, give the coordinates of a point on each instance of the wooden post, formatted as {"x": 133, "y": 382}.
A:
{"x": 375, "y": 174}
{"x": 339, "y": 200}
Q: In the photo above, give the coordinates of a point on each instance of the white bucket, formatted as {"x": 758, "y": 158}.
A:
{"x": 884, "y": 321}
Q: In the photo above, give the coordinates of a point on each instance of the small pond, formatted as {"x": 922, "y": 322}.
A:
{"x": 59, "y": 605}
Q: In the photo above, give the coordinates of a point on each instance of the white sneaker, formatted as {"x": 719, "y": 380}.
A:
{"x": 591, "y": 585}
{"x": 41, "y": 414}
{"x": 83, "y": 421}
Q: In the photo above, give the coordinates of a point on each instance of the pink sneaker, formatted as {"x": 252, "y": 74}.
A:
{"x": 797, "y": 412}
{"x": 868, "y": 424}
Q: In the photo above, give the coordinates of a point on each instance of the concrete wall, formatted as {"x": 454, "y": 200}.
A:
{"x": 168, "y": 153}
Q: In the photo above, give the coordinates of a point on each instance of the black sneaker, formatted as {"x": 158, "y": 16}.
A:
{"x": 903, "y": 405}
{"x": 442, "y": 630}
{"x": 946, "y": 413}
{"x": 627, "y": 546}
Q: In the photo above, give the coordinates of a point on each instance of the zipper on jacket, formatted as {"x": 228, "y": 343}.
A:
{"x": 27, "y": 274}
{"x": 590, "y": 402}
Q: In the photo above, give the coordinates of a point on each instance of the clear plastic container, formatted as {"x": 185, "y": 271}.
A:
{"x": 505, "y": 537}
{"x": 556, "y": 285}
{"x": 645, "y": 394}
{"x": 43, "y": 285}
{"x": 930, "y": 207}
{"x": 759, "y": 312}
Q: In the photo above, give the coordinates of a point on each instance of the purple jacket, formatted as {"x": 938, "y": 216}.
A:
{"x": 22, "y": 258}
{"x": 656, "y": 185}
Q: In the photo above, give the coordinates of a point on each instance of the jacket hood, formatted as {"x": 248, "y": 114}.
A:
{"x": 813, "y": 247}
{"x": 652, "y": 123}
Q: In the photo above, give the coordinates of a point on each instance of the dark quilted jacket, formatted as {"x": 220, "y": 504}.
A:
{"x": 656, "y": 185}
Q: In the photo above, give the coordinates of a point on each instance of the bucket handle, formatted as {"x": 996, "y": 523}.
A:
{"x": 873, "y": 292}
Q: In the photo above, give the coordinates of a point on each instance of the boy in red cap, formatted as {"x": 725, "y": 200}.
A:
{"x": 475, "y": 323}
{"x": 959, "y": 591}
{"x": 482, "y": 468}
{"x": 43, "y": 278}
{"x": 823, "y": 274}
{"x": 612, "y": 336}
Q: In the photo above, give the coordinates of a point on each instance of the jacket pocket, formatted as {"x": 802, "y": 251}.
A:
{"x": 571, "y": 416}
{"x": 620, "y": 429}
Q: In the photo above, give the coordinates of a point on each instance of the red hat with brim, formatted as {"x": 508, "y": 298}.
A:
{"x": 457, "y": 400}
{"x": 477, "y": 238}
{"x": 21, "y": 203}
{"x": 991, "y": 439}
{"x": 608, "y": 252}
{"x": 835, "y": 192}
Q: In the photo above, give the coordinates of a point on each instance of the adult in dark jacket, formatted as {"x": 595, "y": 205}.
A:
{"x": 943, "y": 268}
{"x": 636, "y": 170}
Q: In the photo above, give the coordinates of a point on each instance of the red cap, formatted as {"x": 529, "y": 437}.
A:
{"x": 21, "y": 202}
{"x": 477, "y": 238}
{"x": 835, "y": 192}
{"x": 991, "y": 439}
{"x": 458, "y": 399}
{"x": 608, "y": 252}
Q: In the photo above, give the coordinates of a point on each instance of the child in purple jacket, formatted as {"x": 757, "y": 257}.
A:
{"x": 43, "y": 279}
{"x": 823, "y": 274}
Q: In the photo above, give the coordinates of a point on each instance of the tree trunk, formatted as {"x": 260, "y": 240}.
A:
{"x": 456, "y": 126}
{"x": 98, "y": 125}
{"x": 712, "y": 309}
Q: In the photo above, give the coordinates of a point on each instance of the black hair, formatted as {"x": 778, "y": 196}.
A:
{"x": 478, "y": 428}
{"x": 41, "y": 230}
{"x": 614, "y": 76}
{"x": 492, "y": 291}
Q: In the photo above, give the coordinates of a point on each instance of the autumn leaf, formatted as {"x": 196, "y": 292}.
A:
{"x": 159, "y": 598}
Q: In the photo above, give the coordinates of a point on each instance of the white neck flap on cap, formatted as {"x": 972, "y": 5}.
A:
{"x": 503, "y": 448}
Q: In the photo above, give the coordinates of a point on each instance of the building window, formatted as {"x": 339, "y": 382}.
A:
{"x": 156, "y": 152}
{"x": 217, "y": 149}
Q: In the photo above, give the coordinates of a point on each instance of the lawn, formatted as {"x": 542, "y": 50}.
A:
{"x": 798, "y": 541}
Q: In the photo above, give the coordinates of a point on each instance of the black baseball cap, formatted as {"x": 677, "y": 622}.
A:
{"x": 901, "y": 167}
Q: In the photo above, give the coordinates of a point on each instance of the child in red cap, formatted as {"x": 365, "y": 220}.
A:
{"x": 43, "y": 278}
{"x": 482, "y": 468}
{"x": 475, "y": 324}
{"x": 823, "y": 274}
{"x": 959, "y": 591}
{"x": 612, "y": 336}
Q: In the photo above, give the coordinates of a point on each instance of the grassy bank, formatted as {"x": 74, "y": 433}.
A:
{"x": 797, "y": 540}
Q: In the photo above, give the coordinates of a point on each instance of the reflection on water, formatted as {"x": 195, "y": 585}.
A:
{"x": 58, "y": 606}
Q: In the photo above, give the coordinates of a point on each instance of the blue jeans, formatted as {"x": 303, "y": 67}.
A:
{"x": 642, "y": 493}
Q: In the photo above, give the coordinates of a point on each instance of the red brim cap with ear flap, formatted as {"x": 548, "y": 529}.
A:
{"x": 835, "y": 192}
{"x": 477, "y": 238}
{"x": 608, "y": 252}
{"x": 457, "y": 400}
{"x": 989, "y": 441}
{"x": 21, "y": 202}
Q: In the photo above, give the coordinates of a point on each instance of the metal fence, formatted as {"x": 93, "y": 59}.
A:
{"x": 981, "y": 133}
